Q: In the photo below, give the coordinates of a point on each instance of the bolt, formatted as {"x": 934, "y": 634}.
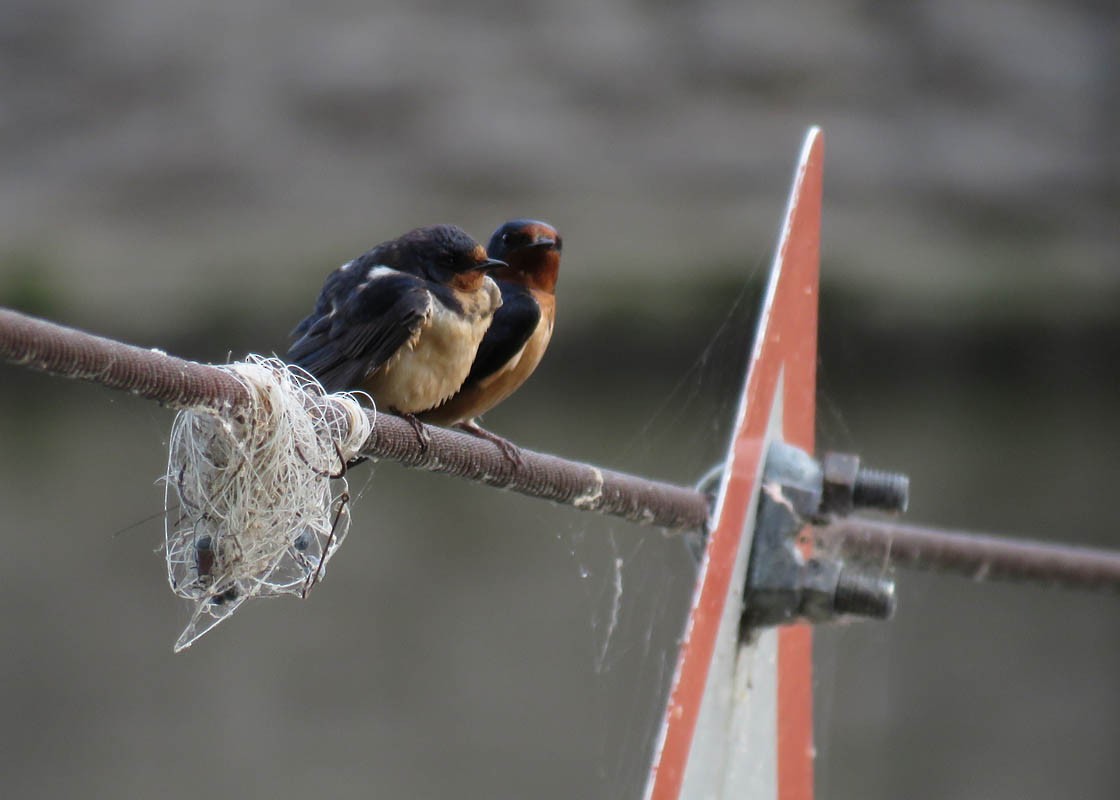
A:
{"x": 864, "y": 595}
{"x": 884, "y": 491}
{"x": 839, "y": 471}
{"x": 848, "y": 486}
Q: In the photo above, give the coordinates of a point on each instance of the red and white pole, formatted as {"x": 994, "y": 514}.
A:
{"x": 739, "y": 719}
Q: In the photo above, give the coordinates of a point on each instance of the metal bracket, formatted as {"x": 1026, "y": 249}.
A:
{"x": 783, "y": 585}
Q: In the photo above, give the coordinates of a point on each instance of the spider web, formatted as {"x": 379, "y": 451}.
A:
{"x": 637, "y": 583}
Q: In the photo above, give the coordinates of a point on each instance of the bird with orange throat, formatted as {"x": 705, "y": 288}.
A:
{"x": 520, "y": 332}
{"x": 403, "y": 321}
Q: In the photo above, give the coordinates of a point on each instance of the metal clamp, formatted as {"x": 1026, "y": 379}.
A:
{"x": 784, "y": 586}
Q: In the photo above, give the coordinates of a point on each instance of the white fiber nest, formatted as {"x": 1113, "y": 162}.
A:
{"x": 250, "y": 507}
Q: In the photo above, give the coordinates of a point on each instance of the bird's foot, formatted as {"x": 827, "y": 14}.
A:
{"x": 511, "y": 451}
{"x": 422, "y": 435}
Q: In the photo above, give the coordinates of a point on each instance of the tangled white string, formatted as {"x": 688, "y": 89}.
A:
{"x": 251, "y": 511}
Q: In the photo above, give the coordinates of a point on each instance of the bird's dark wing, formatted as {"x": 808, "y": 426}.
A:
{"x": 346, "y": 278}
{"x": 357, "y": 327}
{"x": 334, "y": 286}
{"x": 514, "y": 322}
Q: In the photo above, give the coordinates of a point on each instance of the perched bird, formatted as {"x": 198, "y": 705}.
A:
{"x": 403, "y": 321}
{"x": 516, "y": 340}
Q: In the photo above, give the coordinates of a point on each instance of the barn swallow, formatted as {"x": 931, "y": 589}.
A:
{"x": 402, "y": 321}
{"x": 516, "y": 340}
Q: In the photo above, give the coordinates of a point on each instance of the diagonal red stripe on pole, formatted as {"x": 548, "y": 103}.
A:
{"x": 786, "y": 346}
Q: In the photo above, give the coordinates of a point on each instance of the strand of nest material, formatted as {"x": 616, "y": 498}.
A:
{"x": 48, "y": 347}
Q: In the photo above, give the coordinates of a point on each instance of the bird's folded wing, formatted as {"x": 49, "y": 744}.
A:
{"x": 362, "y": 330}
{"x": 514, "y": 322}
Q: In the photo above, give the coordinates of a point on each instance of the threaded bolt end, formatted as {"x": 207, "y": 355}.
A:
{"x": 884, "y": 491}
{"x": 864, "y": 595}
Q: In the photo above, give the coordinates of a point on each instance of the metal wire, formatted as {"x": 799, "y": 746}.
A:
{"x": 149, "y": 373}
{"x": 70, "y": 353}
{"x": 571, "y": 483}
{"x": 974, "y": 555}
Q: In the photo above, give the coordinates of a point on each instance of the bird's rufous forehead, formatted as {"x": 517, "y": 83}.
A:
{"x": 539, "y": 230}
{"x": 479, "y": 253}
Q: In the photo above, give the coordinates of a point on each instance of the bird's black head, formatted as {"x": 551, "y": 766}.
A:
{"x": 441, "y": 252}
{"x": 519, "y": 235}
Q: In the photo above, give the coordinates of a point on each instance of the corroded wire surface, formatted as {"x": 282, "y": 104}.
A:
{"x": 539, "y": 475}
{"x": 71, "y": 353}
{"x": 149, "y": 373}
{"x": 974, "y": 555}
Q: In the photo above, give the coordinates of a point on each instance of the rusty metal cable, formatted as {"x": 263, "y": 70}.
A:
{"x": 71, "y": 353}
{"x": 174, "y": 382}
{"x": 540, "y": 475}
{"x": 973, "y": 555}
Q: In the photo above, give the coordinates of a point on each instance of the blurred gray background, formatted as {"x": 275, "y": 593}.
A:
{"x": 183, "y": 175}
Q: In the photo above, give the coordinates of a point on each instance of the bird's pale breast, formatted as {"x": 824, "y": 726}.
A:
{"x": 480, "y": 397}
{"x": 432, "y": 367}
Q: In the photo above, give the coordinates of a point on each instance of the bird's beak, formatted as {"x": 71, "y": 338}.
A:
{"x": 489, "y": 264}
{"x": 543, "y": 241}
